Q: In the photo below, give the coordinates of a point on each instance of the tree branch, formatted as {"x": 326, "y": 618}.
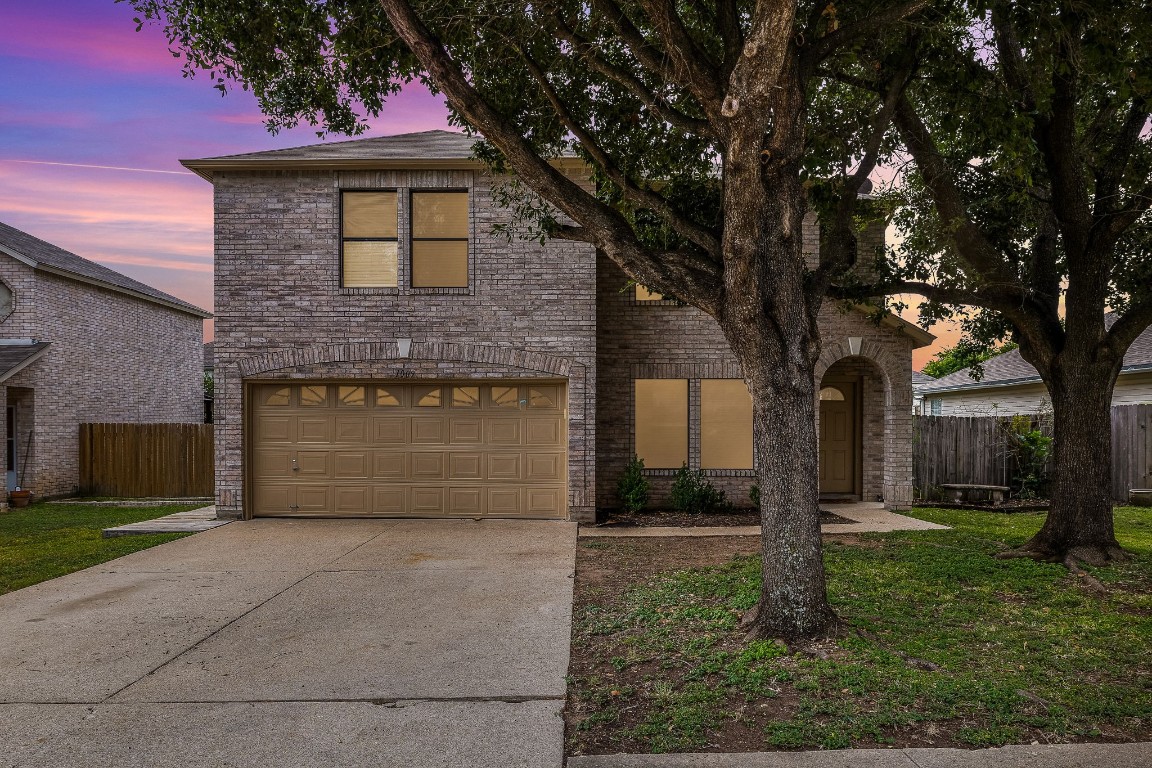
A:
{"x": 686, "y": 228}
{"x": 821, "y": 48}
{"x": 842, "y": 240}
{"x": 728, "y": 23}
{"x": 688, "y": 58}
{"x": 1129, "y": 326}
{"x": 1008, "y": 49}
{"x": 972, "y": 244}
{"x": 701, "y": 283}
{"x": 656, "y": 60}
{"x": 630, "y": 82}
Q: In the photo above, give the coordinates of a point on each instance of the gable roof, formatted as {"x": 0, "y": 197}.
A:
{"x": 44, "y": 256}
{"x": 1010, "y": 368}
{"x": 423, "y": 150}
{"x": 16, "y": 357}
{"x": 920, "y": 379}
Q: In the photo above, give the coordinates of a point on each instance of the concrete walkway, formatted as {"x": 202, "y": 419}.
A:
{"x": 192, "y": 521}
{"x": 298, "y": 643}
{"x": 867, "y": 517}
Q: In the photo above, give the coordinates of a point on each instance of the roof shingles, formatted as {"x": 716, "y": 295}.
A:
{"x": 1011, "y": 368}
{"x": 40, "y": 253}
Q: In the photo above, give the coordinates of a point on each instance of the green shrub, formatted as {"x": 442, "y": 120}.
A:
{"x": 692, "y": 493}
{"x": 633, "y": 486}
{"x": 754, "y": 495}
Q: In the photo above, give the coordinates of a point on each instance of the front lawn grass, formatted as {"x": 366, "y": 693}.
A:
{"x": 43, "y": 541}
{"x": 947, "y": 646}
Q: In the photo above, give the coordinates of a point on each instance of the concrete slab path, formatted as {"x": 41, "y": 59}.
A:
{"x": 866, "y": 517}
{"x": 298, "y": 643}
{"x": 191, "y": 521}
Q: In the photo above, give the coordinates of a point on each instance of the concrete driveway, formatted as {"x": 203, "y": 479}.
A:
{"x": 298, "y": 643}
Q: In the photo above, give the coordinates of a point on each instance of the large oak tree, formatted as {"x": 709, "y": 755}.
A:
{"x": 698, "y": 124}
{"x": 1027, "y": 212}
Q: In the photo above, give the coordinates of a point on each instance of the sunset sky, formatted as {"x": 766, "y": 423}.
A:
{"x": 94, "y": 118}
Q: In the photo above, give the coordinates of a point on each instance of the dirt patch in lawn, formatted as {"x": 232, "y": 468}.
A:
{"x": 668, "y": 518}
{"x": 643, "y": 683}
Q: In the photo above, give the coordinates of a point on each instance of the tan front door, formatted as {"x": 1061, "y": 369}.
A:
{"x": 838, "y": 440}
{"x": 409, "y": 450}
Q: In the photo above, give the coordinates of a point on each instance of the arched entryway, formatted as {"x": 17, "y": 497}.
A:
{"x": 840, "y": 447}
{"x": 852, "y": 410}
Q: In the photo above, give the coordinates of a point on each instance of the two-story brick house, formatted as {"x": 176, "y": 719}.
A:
{"x": 83, "y": 343}
{"x": 381, "y": 351}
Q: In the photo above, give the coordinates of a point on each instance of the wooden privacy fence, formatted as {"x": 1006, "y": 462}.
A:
{"x": 972, "y": 449}
{"x": 140, "y": 460}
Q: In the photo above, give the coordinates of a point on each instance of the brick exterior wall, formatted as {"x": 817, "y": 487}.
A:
{"x": 530, "y": 310}
{"x": 653, "y": 340}
{"x": 114, "y": 358}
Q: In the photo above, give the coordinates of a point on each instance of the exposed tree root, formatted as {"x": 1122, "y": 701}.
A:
{"x": 911, "y": 661}
{"x": 754, "y": 627}
{"x": 1094, "y": 555}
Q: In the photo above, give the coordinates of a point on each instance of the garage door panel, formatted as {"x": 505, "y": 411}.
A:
{"x": 351, "y": 499}
{"x": 389, "y": 500}
{"x": 465, "y": 502}
{"x": 503, "y": 431}
{"x": 542, "y": 467}
{"x": 314, "y": 429}
{"x": 428, "y": 466}
{"x": 274, "y": 499}
{"x": 504, "y": 466}
{"x": 544, "y": 502}
{"x": 390, "y": 430}
{"x": 351, "y": 429}
{"x": 428, "y": 430}
{"x": 350, "y": 464}
{"x": 274, "y": 429}
{"x": 314, "y": 464}
{"x": 389, "y": 465}
{"x": 465, "y": 466}
{"x": 428, "y": 500}
{"x": 274, "y": 463}
{"x": 465, "y": 431}
{"x": 313, "y": 498}
{"x": 505, "y": 502}
{"x": 541, "y": 431}
{"x": 409, "y": 449}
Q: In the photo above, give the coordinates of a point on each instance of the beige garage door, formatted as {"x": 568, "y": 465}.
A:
{"x": 409, "y": 450}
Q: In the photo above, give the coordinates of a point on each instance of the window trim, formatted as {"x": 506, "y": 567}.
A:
{"x": 341, "y": 191}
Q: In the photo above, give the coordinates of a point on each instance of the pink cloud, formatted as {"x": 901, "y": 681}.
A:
{"x": 64, "y": 33}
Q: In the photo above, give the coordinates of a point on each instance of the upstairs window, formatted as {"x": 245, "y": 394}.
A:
{"x": 440, "y": 239}
{"x": 368, "y": 239}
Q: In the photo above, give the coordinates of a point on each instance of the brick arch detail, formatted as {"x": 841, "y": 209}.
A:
{"x": 874, "y": 353}
{"x": 355, "y": 352}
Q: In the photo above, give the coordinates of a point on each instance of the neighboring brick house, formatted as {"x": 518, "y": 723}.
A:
{"x": 1008, "y": 385}
{"x": 82, "y": 343}
{"x": 380, "y": 351}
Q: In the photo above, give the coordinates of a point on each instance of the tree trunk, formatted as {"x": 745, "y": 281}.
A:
{"x": 1079, "y": 526}
{"x": 793, "y": 597}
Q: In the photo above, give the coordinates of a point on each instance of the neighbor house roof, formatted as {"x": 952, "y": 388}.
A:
{"x": 1010, "y": 368}
{"x": 921, "y": 379}
{"x": 46, "y": 257}
{"x": 424, "y": 150}
{"x": 16, "y": 357}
